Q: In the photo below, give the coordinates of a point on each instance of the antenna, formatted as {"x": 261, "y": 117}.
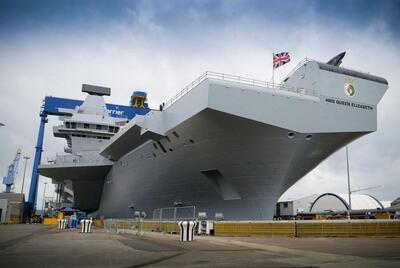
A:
{"x": 96, "y": 90}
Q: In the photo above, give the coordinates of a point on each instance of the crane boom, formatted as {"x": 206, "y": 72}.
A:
{"x": 9, "y": 179}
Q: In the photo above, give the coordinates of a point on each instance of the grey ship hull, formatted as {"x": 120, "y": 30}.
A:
{"x": 235, "y": 166}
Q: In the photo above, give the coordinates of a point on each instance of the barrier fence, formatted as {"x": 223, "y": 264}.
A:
{"x": 135, "y": 226}
{"x": 333, "y": 228}
{"x": 174, "y": 213}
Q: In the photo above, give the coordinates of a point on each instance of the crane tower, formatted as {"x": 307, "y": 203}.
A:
{"x": 9, "y": 179}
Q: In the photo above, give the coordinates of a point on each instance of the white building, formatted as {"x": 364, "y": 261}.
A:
{"x": 340, "y": 202}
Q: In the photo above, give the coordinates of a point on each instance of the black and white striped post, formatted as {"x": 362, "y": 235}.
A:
{"x": 186, "y": 230}
{"x": 61, "y": 224}
{"x": 86, "y": 225}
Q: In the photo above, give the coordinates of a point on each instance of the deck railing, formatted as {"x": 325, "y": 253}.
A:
{"x": 241, "y": 80}
{"x": 61, "y": 159}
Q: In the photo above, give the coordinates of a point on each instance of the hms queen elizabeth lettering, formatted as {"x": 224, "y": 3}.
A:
{"x": 348, "y": 103}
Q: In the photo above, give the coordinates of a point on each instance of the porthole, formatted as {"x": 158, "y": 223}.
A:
{"x": 308, "y": 137}
{"x": 191, "y": 141}
{"x": 290, "y": 135}
{"x": 170, "y": 149}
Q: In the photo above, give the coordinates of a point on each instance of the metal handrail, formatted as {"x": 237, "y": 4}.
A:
{"x": 61, "y": 158}
{"x": 241, "y": 80}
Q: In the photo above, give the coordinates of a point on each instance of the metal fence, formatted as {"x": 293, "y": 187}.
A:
{"x": 133, "y": 226}
{"x": 241, "y": 80}
{"x": 164, "y": 220}
{"x": 139, "y": 226}
{"x": 174, "y": 213}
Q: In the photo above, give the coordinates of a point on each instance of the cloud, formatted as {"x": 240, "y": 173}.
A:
{"x": 162, "y": 46}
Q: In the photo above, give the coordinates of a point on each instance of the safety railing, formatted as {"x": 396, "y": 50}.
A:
{"x": 164, "y": 220}
{"x": 74, "y": 159}
{"x": 139, "y": 226}
{"x": 241, "y": 80}
{"x": 174, "y": 213}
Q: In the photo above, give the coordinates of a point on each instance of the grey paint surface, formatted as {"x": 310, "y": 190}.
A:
{"x": 259, "y": 162}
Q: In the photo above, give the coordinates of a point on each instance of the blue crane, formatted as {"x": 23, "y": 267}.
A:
{"x": 12, "y": 172}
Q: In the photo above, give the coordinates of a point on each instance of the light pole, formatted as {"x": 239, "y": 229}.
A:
{"x": 23, "y": 178}
{"x": 348, "y": 177}
{"x": 44, "y": 197}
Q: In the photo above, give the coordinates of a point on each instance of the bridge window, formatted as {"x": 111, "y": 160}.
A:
{"x": 73, "y": 124}
{"x": 67, "y": 124}
{"x": 98, "y": 127}
{"x": 85, "y": 125}
{"x": 116, "y": 129}
{"x": 111, "y": 129}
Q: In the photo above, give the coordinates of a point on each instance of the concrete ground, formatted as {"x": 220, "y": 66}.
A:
{"x": 43, "y": 246}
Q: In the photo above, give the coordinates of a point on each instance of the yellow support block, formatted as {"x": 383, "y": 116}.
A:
{"x": 383, "y": 216}
{"x": 50, "y": 221}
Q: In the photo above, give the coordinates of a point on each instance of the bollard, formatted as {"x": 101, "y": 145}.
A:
{"x": 61, "y": 224}
{"x": 90, "y": 225}
{"x": 86, "y": 225}
{"x": 83, "y": 228}
{"x": 186, "y": 230}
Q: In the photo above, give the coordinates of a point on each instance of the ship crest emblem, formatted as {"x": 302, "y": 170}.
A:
{"x": 349, "y": 88}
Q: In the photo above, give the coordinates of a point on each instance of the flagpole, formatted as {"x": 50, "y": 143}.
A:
{"x": 273, "y": 70}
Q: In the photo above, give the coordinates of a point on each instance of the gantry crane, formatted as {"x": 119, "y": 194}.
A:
{"x": 9, "y": 179}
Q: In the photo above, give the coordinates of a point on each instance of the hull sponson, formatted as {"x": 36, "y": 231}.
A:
{"x": 86, "y": 181}
{"x": 219, "y": 163}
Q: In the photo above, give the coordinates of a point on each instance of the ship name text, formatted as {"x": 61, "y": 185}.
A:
{"x": 349, "y": 103}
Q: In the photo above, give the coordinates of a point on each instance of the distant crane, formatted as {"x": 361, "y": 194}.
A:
{"x": 12, "y": 172}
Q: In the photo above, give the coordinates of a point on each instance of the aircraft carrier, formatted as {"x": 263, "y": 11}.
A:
{"x": 225, "y": 144}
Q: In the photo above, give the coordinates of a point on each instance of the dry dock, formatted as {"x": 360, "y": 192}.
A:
{"x": 44, "y": 246}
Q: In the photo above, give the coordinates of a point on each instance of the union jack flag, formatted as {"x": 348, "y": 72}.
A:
{"x": 280, "y": 59}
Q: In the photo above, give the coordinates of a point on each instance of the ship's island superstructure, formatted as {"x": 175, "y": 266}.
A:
{"x": 224, "y": 144}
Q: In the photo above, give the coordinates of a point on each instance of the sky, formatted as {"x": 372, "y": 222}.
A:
{"x": 52, "y": 47}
